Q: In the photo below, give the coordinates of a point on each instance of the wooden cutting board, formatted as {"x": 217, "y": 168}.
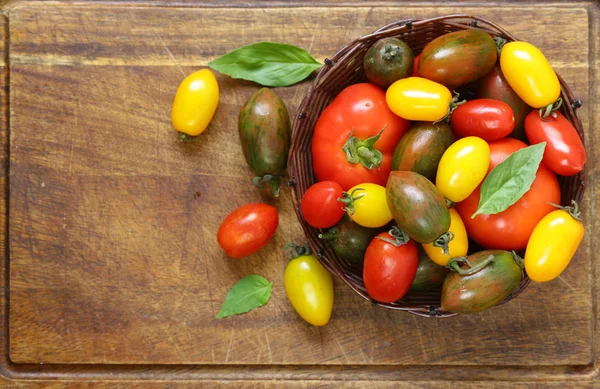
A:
{"x": 111, "y": 272}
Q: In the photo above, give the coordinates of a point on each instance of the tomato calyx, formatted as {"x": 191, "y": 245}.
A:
{"x": 443, "y": 241}
{"x": 363, "y": 151}
{"x": 348, "y": 199}
{"x": 268, "y": 179}
{"x": 399, "y": 237}
{"x": 293, "y": 251}
{"x": 573, "y": 210}
{"x": 550, "y": 109}
{"x": 330, "y": 235}
{"x": 185, "y": 138}
{"x": 500, "y": 42}
{"x": 454, "y": 103}
{"x": 454, "y": 264}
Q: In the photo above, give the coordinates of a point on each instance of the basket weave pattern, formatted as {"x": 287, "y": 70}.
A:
{"x": 346, "y": 68}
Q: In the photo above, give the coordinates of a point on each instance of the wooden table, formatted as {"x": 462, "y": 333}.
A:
{"x": 111, "y": 273}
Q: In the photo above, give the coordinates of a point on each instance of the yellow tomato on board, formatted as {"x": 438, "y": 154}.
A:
{"x": 195, "y": 102}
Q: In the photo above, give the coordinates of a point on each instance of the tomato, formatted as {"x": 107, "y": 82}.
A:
{"x": 265, "y": 134}
{"x": 247, "y": 229}
{"x": 320, "y": 205}
{"x": 462, "y": 167}
{"x": 494, "y": 86}
{"x": 429, "y": 275}
{"x": 390, "y": 267}
{"x": 416, "y": 98}
{"x": 387, "y": 60}
{"x": 346, "y": 147}
{"x": 195, "y": 102}
{"x": 309, "y": 288}
{"x": 475, "y": 291}
{"x": 366, "y": 204}
{"x": 459, "y": 57}
{"x": 350, "y": 240}
{"x": 417, "y": 206}
{"x": 415, "y": 72}
{"x": 422, "y": 147}
{"x": 485, "y": 118}
{"x": 553, "y": 243}
{"x": 529, "y": 74}
{"x": 564, "y": 153}
{"x": 511, "y": 228}
{"x": 457, "y": 247}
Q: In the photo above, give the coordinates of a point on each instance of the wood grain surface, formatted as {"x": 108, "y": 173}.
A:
{"x": 115, "y": 272}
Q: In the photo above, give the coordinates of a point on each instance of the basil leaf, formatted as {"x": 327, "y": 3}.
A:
{"x": 267, "y": 63}
{"x": 247, "y": 294}
{"x": 510, "y": 180}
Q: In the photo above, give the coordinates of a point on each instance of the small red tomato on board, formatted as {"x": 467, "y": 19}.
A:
{"x": 564, "y": 153}
{"x": 511, "y": 228}
{"x": 355, "y": 137}
{"x": 320, "y": 205}
{"x": 390, "y": 266}
{"x": 247, "y": 229}
{"x": 485, "y": 118}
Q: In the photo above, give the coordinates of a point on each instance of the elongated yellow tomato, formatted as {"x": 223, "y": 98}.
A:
{"x": 309, "y": 289}
{"x": 195, "y": 102}
{"x": 552, "y": 245}
{"x": 529, "y": 74}
{"x": 457, "y": 247}
{"x": 416, "y": 98}
{"x": 462, "y": 168}
{"x": 366, "y": 204}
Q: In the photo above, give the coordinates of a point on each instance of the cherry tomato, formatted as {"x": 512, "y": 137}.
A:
{"x": 367, "y": 205}
{"x": 416, "y": 98}
{"x": 564, "y": 153}
{"x": 462, "y": 167}
{"x": 415, "y": 72}
{"x": 390, "y": 268}
{"x": 355, "y": 137}
{"x": 458, "y": 246}
{"x": 195, "y": 102}
{"x": 529, "y": 74}
{"x": 511, "y": 228}
{"x": 309, "y": 288}
{"x": 553, "y": 243}
{"x": 485, "y": 118}
{"x": 320, "y": 205}
{"x": 247, "y": 229}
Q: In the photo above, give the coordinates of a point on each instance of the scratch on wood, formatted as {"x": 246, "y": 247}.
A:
{"x": 586, "y": 299}
{"x": 179, "y": 351}
{"x": 423, "y": 350}
{"x": 342, "y": 350}
{"x": 230, "y": 344}
{"x": 268, "y": 345}
{"x": 171, "y": 55}
{"x": 71, "y": 157}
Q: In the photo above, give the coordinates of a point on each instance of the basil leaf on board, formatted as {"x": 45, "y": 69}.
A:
{"x": 250, "y": 292}
{"x": 510, "y": 180}
{"x": 267, "y": 63}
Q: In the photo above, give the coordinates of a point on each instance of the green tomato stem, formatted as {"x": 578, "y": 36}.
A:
{"x": 453, "y": 264}
{"x": 268, "y": 179}
{"x": 573, "y": 210}
{"x": 331, "y": 234}
{"x": 348, "y": 199}
{"x": 443, "y": 241}
{"x": 363, "y": 151}
{"x": 399, "y": 237}
{"x": 293, "y": 251}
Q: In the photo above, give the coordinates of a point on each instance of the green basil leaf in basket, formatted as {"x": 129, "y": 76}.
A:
{"x": 510, "y": 180}
{"x": 250, "y": 292}
{"x": 267, "y": 63}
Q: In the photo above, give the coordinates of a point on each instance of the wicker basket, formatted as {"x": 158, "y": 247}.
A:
{"x": 346, "y": 68}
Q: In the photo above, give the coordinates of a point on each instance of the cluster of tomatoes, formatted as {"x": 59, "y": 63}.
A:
{"x": 400, "y": 163}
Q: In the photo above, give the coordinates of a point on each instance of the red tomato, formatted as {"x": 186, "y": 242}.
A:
{"x": 320, "y": 205}
{"x": 247, "y": 229}
{"x": 360, "y": 111}
{"x": 485, "y": 118}
{"x": 388, "y": 270}
{"x": 510, "y": 229}
{"x": 564, "y": 153}
{"x": 415, "y": 72}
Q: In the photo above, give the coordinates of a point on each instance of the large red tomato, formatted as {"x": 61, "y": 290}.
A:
{"x": 511, "y": 229}
{"x": 345, "y": 147}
